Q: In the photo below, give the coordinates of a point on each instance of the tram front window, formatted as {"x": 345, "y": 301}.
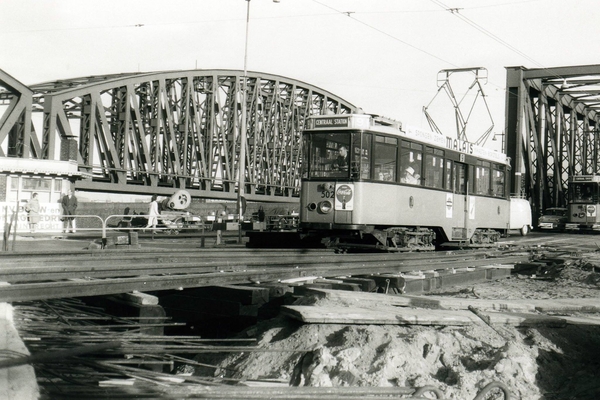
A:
{"x": 330, "y": 155}
{"x": 584, "y": 192}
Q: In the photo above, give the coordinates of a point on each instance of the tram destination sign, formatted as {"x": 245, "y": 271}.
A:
{"x": 332, "y": 122}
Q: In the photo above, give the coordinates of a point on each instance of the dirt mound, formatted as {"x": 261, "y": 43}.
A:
{"x": 535, "y": 363}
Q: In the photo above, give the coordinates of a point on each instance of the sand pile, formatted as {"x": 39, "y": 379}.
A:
{"x": 534, "y": 362}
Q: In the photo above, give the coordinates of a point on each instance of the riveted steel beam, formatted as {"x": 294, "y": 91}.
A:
{"x": 551, "y": 130}
{"x": 181, "y": 130}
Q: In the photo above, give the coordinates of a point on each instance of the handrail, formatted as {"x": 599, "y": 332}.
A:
{"x": 145, "y": 216}
{"x": 104, "y": 227}
{"x": 74, "y": 216}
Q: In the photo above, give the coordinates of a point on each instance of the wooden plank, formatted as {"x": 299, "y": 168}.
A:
{"x": 376, "y": 316}
{"x": 395, "y": 281}
{"x": 453, "y": 303}
{"x": 566, "y": 305}
{"x": 276, "y": 289}
{"x": 524, "y": 319}
{"x": 338, "y": 284}
{"x": 386, "y": 315}
{"x": 366, "y": 285}
{"x": 137, "y": 298}
{"x": 587, "y": 320}
{"x": 541, "y": 305}
{"x": 431, "y": 302}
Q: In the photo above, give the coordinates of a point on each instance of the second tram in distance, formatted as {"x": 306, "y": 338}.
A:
{"x": 367, "y": 183}
{"x": 584, "y": 203}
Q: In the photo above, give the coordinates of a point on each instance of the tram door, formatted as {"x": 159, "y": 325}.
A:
{"x": 461, "y": 201}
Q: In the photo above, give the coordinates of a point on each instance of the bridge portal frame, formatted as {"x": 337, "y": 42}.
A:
{"x": 551, "y": 128}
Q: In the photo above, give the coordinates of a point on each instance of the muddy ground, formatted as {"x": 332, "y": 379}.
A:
{"x": 534, "y": 362}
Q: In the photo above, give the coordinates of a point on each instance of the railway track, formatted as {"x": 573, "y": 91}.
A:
{"x": 46, "y": 275}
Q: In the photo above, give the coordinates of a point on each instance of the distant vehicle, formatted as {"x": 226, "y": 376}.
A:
{"x": 520, "y": 215}
{"x": 584, "y": 203}
{"x": 554, "y": 219}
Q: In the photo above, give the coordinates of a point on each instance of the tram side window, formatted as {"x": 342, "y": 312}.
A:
{"x": 434, "y": 168}
{"x": 386, "y": 150}
{"x": 448, "y": 175}
{"x": 411, "y": 158}
{"x": 365, "y": 156}
{"x": 482, "y": 178}
{"x": 460, "y": 178}
{"x": 498, "y": 181}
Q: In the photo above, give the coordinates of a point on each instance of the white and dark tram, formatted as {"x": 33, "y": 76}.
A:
{"x": 367, "y": 183}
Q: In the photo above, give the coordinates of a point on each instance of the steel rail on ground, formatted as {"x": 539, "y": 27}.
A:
{"x": 123, "y": 279}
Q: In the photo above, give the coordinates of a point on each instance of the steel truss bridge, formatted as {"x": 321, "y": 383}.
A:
{"x": 552, "y": 130}
{"x": 153, "y": 132}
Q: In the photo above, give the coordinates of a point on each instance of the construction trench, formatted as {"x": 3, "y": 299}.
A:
{"x": 532, "y": 333}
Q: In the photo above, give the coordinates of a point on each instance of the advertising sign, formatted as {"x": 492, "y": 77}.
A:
{"x": 344, "y": 197}
{"x": 49, "y": 217}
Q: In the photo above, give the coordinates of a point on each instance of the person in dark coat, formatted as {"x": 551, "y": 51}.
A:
{"x": 69, "y": 205}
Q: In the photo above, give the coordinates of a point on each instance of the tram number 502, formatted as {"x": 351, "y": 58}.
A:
{"x": 326, "y": 194}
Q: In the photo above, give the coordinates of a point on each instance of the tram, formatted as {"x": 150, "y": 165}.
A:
{"x": 584, "y": 203}
{"x": 368, "y": 183}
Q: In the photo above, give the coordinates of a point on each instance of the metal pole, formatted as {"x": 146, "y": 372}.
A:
{"x": 243, "y": 134}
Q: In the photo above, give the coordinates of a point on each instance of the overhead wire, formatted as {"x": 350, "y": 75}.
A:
{"x": 456, "y": 12}
{"x": 349, "y": 15}
{"x": 142, "y": 25}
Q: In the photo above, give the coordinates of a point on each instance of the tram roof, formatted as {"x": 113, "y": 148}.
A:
{"x": 388, "y": 126}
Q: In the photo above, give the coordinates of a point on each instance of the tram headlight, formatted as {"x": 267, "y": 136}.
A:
{"x": 311, "y": 207}
{"x": 325, "y": 207}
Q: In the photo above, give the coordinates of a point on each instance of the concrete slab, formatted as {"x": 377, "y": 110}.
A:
{"x": 16, "y": 383}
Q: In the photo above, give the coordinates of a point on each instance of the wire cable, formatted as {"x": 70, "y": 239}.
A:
{"x": 456, "y": 12}
{"x": 349, "y": 15}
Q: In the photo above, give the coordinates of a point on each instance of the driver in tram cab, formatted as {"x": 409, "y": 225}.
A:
{"x": 341, "y": 161}
{"x": 587, "y": 195}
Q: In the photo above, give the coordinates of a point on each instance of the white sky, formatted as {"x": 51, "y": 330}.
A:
{"x": 383, "y": 57}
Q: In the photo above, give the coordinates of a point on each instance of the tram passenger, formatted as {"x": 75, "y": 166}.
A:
{"x": 341, "y": 161}
{"x": 69, "y": 205}
{"x": 410, "y": 176}
{"x": 33, "y": 212}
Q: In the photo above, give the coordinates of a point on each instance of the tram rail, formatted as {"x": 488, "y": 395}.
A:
{"x": 38, "y": 277}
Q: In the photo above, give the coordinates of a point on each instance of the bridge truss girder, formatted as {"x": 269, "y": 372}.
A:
{"x": 551, "y": 130}
{"x": 155, "y": 132}
{"x": 15, "y": 122}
